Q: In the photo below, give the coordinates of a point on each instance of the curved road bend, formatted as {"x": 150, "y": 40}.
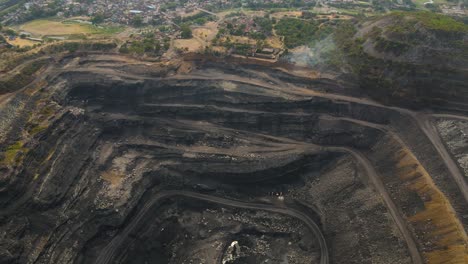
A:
{"x": 430, "y": 133}
{"x": 451, "y": 116}
{"x": 108, "y": 252}
{"x": 428, "y": 127}
{"x": 421, "y": 120}
{"x": 394, "y": 212}
{"x": 376, "y": 181}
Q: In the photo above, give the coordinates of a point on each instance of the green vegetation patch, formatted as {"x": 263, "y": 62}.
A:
{"x": 296, "y": 32}
{"x": 385, "y": 45}
{"x": 242, "y": 49}
{"x": 349, "y": 48}
{"x": 10, "y": 156}
{"x": 109, "y": 30}
{"x": 37, "y": 129}
{"x": 146, "y": 45}
{"x": 47, "y": 111}
{"x": 429, "y": 20}
{"x": 265, "y": 23}
{"x": 186, "y": 32}
{"x": 198, "y": 19}
{"x": 419, "y": 28}
{"x": 55, "y": 27}
{"x": 392, "y": 80}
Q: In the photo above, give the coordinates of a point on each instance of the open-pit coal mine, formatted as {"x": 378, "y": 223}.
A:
{"x": 108, "y": 159}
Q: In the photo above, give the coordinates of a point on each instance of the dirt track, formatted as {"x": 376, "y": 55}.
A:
{"x": 107, "y": 253}
{"x": 289, "y": 91}
{"x": 251, "y": 124}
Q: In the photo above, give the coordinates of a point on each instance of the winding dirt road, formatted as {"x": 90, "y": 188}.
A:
{"x": 426, "y": 123}
{"x": 394, "y": 212}
{"x": 292, "y": 92}
{"x": 109, "y": 251}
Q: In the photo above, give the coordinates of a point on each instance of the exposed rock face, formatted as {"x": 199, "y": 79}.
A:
{"x": 106, "y": 163}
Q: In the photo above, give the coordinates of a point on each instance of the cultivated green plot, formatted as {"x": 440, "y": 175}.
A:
{"x": 52, "y": 27}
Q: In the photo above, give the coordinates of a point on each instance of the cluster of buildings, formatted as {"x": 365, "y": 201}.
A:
{"x": 115, "y": 11}
{"x": 245, "y": 25}
{"x": 458, "y": 10}
{"x": 246, "y": 21}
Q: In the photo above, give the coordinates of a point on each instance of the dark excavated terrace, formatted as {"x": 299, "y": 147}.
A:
{"x": 211, "y": 162}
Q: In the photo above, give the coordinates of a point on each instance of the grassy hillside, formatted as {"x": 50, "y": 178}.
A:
{"x": 429, "y": 20}
{"x": 415, "y": 58}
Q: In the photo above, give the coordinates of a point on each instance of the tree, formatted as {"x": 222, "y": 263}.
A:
{"x": 260, "y": 44}
{"x": 186, "y": 32}
{"x": 296, "y": 32}
{"x": 157, "y": 46}
{"x": 137, "y": 21}
{"x": 124, "y": 49}
{"x": 98, "y": 18}
{"x": 10, "y": 32}
{"x": 166, "y": 45}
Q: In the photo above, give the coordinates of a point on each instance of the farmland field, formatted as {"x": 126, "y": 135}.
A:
{"x": 191, "y": 45}
{"x": 21, "y": 42}
{"x": 51, "y": 27}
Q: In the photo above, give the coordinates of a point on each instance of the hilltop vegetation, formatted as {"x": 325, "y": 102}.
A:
{"x": 430, "y": 20}
{"x": 403, "y": 37}
{"x": 402, "y": 34}
{"x": 296, "y": 32}
{"x": 406, "y": 56}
